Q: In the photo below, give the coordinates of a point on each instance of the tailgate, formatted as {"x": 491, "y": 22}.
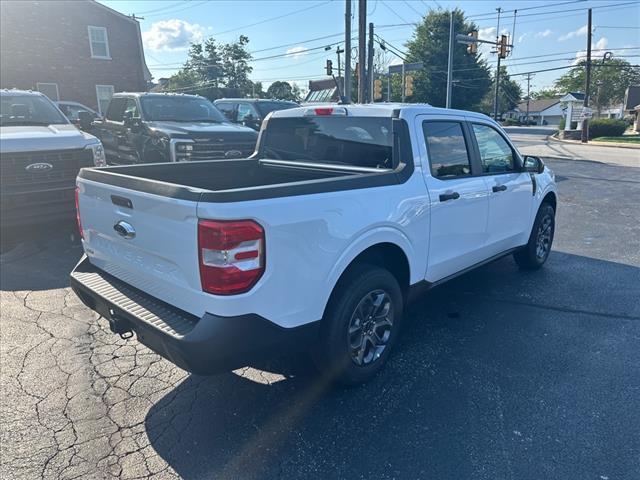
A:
{"x": 147, "y": 240}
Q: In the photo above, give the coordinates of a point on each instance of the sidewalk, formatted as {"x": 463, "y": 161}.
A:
{"x": 553, "y": 138}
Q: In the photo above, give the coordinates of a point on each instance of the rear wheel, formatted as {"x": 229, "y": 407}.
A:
{"x": 535, "y": 253}
{"x": 360, "y": 326}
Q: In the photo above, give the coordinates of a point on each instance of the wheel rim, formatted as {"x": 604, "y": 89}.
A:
{"x": 543, "y": 239}
{"x": 370, "y": 327}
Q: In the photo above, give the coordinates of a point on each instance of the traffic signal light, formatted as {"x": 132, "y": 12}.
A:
{"x": 377, "y": 89}
{"x": 502, "y": 48}
{"x": 473, "y": 47}
{"x": 329, "y": 67}
{"x": 408, "y": 85}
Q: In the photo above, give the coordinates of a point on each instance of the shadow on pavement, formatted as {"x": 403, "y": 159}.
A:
{"x": 499, "y": 374}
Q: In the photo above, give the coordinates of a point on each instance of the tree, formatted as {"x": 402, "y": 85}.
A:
{"x": 235, "y": 63}
{"x": 283, "y": 91}
{"x": 430, "y": 45}
{"x": 609, "y": 81}
{"x": 545, "y": 93}
{"x": 509, "y": 95}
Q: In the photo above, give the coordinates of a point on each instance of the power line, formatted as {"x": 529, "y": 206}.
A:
{"x": 185, "y": 7}
{"x": 396, "y": 13}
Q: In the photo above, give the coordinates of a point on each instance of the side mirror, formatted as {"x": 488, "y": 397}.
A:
{"x": 533, "y": 164}
{"x": 85, "y": 120}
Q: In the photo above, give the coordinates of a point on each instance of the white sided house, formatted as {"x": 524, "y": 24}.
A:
{"x": 545, "y": 111}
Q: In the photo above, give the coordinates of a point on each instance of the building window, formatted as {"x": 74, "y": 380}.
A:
{"x": 103, "y": 94}
{"x": 49, "y": 89}
{"x": 98, "y": 42}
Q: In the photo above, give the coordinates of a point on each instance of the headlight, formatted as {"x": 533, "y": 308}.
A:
{"x": 99, "y": 158}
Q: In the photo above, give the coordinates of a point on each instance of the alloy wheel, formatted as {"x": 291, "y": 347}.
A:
{"x": 370, "y": 327}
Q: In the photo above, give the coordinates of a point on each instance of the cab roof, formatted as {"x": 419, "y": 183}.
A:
{"x": 379, "y": 110}
{"x": 14, "y": 92}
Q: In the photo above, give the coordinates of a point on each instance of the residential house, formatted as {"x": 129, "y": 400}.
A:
{"x": 544, "y": 111}
{"x": 81, "y": 51}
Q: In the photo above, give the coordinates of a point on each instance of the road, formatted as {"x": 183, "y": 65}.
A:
{"x": 536, "y": 141}
{"x": 499, "y": 374}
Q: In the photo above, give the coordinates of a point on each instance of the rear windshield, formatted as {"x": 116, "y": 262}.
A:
{"x": 354, "y": 141}
{"x": 29, "y": 110}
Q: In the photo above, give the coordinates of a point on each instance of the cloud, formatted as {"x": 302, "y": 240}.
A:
{"x": 600, "y": 45}
{"x": 297, "y": 52}
{"x": 544, "y": 33}
{"x": 174, "y": 34}
{"x": 581, "y": 32}
{"x": 522, "y": 37}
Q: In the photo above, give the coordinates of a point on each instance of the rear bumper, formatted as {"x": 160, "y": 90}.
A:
{"x": 206, "y": 345}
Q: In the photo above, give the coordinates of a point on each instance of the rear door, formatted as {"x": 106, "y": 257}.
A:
{"x": 510, "y": 188}
{"x": 458, "y": 197}
{"x": 160, "y": 254}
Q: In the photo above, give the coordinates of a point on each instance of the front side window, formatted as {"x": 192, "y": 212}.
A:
{"x": 354, "y": 141}
{"x": 495, "y": 153}
{"x": 131, "y": 109}
{"x": 29, "y": 110}
{"x": 103, "y": 95}
{"x": 227, "y": 109}
{"x": 115, "y": 113}
{"x": 98, "y": 42}
{"x": 180, "y": 108}
{"x": 447, "y": 149}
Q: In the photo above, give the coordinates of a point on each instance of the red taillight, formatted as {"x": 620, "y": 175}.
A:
{"x": 78, "y": 213}
{"x": 231, "y": 255}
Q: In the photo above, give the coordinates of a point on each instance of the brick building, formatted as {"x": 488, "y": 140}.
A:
{"x": 70, "y": 50}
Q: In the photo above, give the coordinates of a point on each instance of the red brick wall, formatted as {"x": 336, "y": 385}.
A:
{"x": 48, "y": 42}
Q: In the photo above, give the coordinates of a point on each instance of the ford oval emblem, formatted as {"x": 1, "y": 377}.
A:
{"x": 125, "y": 230}
{"x": 38, "y": 167}
{"x": 232, "y": 154}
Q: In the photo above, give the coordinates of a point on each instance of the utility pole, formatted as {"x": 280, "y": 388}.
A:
{"x": 585, "y": 120}
{"x": 403, "y": 86}
{"x": 450, "y": 63}
{"x": 362, "y": 49}
{"x": 495, "y": 100}
{"x": 347, "y": 48}
{"x": 370, "y": 66}
{"x": 529, "y": 75}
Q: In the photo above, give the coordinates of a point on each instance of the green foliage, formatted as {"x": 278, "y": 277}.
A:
{"x": 563, "y": 122}
{"x": 606, "y": 127}
{"x": 545, "y": 93}
{"x": 430, "y": 45}
{"x": 609, "y": 81}
{"x": 509, "y": 96}
{"x": 283, "y": 91}
{"x": 215, "y": 70}
{"x": 509, "y": 122}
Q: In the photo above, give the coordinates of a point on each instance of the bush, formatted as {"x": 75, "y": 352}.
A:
{"x": 511, "y": 122}
{"x": 563, "y": 122}
{"x": 606, "y": 127}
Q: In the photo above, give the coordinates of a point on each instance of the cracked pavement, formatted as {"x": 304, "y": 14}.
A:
{"x": 498, "y": 374}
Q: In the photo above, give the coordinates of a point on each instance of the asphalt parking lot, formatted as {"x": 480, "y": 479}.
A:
{"x": 500, "y": 374}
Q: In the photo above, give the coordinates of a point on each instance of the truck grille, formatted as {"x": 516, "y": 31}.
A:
{"x": 200, "y": 151}
{"x": 64, "y": 167}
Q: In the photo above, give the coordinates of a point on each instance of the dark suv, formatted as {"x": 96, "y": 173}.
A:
{"x": 251, "y": 111}
{"x": 161, "y": 127}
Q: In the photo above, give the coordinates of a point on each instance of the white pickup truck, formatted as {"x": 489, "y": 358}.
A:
{"x": 314, "y": 242}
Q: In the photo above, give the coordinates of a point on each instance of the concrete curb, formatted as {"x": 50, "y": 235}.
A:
{"x": 553, "y": 138}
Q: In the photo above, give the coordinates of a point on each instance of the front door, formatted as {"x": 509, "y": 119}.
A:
{"x": 459, "y": 199}
{"x": 510, "y": 189}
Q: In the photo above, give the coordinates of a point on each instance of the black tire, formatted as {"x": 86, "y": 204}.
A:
{"x": 362, "y": 287}
{"x": 536, "y": 252}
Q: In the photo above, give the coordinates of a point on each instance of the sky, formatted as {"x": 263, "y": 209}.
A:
{"x": 296, "y": 33}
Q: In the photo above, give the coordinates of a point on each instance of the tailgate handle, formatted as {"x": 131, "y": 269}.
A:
{"x": 121, "y": 201}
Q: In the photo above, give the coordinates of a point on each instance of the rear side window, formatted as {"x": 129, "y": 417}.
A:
{"x": 116, "y": 109}
{"x": 227, "y": 109}
{"x": 354, "y": 141}
{"x": 447, "y": 149}
{"x": 495, "y": 153}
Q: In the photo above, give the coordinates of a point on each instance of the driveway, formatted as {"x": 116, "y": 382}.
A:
{"x": 499, "y": 374}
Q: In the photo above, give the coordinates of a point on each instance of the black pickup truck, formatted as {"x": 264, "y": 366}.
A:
{"x": 163, "y": 127}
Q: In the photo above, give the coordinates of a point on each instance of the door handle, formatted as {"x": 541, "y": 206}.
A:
{"x": 449, "y": 196}
{"x": 499, "y": 188}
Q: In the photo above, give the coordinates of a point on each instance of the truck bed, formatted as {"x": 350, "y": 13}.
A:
{"x": 240, "y": 179}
